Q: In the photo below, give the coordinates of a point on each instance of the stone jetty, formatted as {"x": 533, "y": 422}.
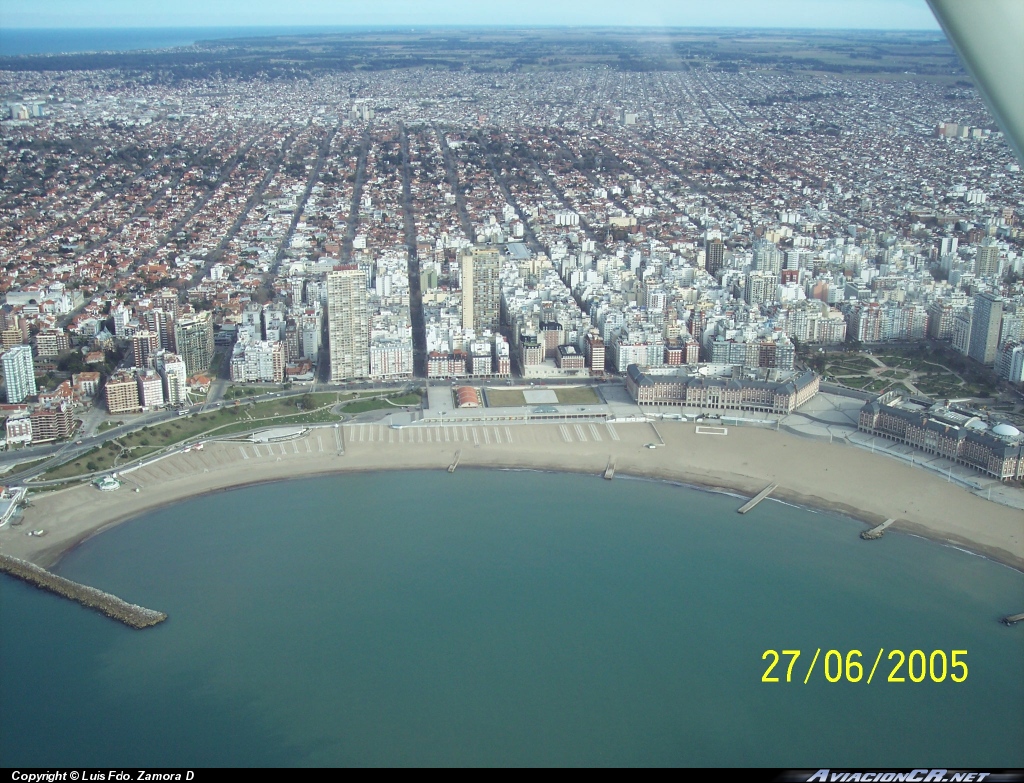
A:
{"x": 877, "y": 531}
{"x": 757, "y": 498}
{"x": 609, "y": 471}
{"x": 110, "y": 605}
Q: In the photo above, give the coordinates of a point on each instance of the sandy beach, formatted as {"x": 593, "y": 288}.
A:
{"x": 831, "y": 477}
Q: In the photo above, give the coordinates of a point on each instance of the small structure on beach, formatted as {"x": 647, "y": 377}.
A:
{"x": 107, "y": 484}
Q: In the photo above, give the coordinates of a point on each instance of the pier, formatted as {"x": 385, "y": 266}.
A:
{"x": 1012, "y": 619}
{"x": 455, "y": 463}
{"x": 757, "y": 498}
{"x": 609, "y": 471}
{"x": 110, "y": 605}
{"x": 877, "y": 531}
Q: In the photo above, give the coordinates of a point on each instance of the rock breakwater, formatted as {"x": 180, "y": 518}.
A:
{"x": 110, "y": 605}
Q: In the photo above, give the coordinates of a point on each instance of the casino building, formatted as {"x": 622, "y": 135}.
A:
{"x": 722, "y": 388}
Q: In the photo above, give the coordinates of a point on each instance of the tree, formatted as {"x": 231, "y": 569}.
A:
{"x": 72, "y": 362}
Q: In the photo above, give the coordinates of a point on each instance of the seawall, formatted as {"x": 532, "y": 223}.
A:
{"x": 110, "y": 605}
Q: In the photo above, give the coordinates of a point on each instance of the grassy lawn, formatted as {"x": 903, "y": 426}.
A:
{"x": 844, "y": 369}
{"x": 108, "y": 425}
{"x": 867, "y": 384}
{"x": 407, "y": 399}
{"x": 101, "y": 458}
{"x": 949, "y": 385}
{"x": 856, "y": 383}
{"x": 235, "y": 392}
{"x": 27, "y": 465}
{"x": 577, "y": 395}
{"x": 505, "y": 398}
{"x": 182, "y": 428}
{"x": 941, "y": 386}
{"x": 307, "y": 409}
{"x": 361, "y": 406}
{"x": 314, "y": 417}
{"x": 852, "y": 364}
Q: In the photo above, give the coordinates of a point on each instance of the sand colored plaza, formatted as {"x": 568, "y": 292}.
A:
{"x": 833, "y": 477}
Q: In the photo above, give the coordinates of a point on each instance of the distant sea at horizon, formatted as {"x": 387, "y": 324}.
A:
{"x": 20, "y": 41}
{"x": 505, "y": 618}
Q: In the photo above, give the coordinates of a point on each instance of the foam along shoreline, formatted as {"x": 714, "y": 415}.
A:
{"x": 831, "y": 477}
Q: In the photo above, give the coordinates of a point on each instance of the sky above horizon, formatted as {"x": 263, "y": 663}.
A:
{"x": 841, "y": 14}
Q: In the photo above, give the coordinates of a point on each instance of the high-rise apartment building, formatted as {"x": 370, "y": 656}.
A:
{"x": 1010, "y": 362}
{"x": 260, "y": 360}
{"x": 481, "y": 291}
{"x": 122, "y": 391}
{"x": 348, "y": 324}
{"x": 594, "y": 352}
{"x": 52, "y": 342}
{"x": 768, "y": 258}
{"x": 760, "y": 288}
{"x": 144, "y": 345}
{"x": 19, "y": 373}
{"x": 175, "y": 377}
{"x": 52, "y": 420}
{"x": 714, "y": 258}
{"x": 988, "y": 316}
{"x": 960, "y": 335}
{"x": 151, "y": 389}
{"x": 193, "y": 337}
{"x": 986, "y": 262}
{"x": 161, "y": 323}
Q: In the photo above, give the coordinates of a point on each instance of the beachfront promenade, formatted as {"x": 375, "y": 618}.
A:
{"x": 835, "y": 477}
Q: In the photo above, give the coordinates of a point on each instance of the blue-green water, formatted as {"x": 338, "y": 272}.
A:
{"x": 505, "y": 618}
{"x": 20, "y": 41}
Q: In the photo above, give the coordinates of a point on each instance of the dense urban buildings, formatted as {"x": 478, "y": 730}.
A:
{"x": 451, "y": 223}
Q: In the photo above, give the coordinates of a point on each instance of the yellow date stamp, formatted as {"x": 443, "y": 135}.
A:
{"x": 915, "y": 666}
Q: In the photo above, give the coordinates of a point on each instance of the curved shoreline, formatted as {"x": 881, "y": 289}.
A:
{"x": 868, "y": 488}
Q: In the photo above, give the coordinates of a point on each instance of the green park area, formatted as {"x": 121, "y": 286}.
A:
{"x": 566, "y": 395}
{"x": 317, "y": 408}
{"x": 577, "y": 395}
{"x": 21, "y": 466}
{"x": 505, "y": 398}
{"x": 920, "y": 370}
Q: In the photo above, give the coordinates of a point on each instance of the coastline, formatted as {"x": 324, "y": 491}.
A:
{"x": 866, "y": 487}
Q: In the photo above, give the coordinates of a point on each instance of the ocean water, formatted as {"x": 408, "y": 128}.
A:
{"x": 494, "y": 618}
{"x": 15, "y": 41}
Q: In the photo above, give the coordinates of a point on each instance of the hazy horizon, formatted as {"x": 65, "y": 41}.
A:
{"x": 903, "y": 15}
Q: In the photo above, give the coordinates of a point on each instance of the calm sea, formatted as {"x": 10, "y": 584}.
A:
{"x": 122, "y": 39}
{"x": 505, "y": 618}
